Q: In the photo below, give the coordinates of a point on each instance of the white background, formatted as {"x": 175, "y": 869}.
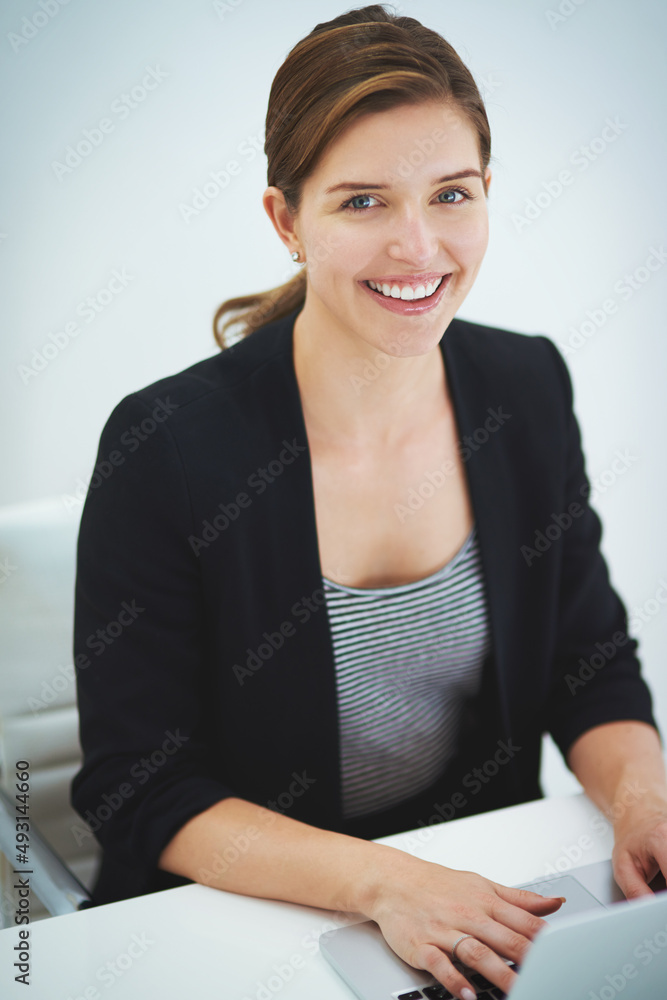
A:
{"x": 551, "y": 80}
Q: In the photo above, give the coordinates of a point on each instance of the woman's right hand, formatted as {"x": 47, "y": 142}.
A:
{"x": 423, "y": 908}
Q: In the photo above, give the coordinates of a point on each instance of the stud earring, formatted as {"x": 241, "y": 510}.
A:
{"x": 295, "y": 257}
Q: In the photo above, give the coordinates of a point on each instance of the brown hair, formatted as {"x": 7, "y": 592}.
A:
{"x": 362, "y": 61}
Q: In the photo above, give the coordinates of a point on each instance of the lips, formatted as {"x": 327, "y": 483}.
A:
{"x": 408, "y": 307}
{"x": 407, "y": 291}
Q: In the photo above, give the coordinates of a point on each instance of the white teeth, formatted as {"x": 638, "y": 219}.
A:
{"x": 406, "y": 292}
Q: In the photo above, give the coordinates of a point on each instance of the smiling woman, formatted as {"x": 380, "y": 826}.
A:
{"x": 326, "y": 539}
{"x": 345, "y": 71}
{"x": 432, "y": 229}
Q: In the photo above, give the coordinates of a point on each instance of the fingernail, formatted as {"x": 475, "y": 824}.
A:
{"x": 467, "y": 994}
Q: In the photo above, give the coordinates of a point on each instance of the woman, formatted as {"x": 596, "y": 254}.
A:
{"x": 348, "y": 575}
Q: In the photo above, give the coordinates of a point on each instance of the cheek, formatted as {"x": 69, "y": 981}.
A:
{"x": 336, "y": 262}
{"x": 469, "y": 243}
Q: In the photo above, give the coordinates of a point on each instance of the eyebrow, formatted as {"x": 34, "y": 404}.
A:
{"x": 352, "y": 185}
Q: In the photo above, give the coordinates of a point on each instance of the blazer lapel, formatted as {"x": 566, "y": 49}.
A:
{"x": 478, "y": 412}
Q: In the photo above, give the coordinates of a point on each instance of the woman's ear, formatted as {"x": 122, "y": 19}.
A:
{"x": 283, "y": 221}
{"x": 487, "y": 179}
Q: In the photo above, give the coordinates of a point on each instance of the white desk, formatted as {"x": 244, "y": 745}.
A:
{"x": 201, "y": 942}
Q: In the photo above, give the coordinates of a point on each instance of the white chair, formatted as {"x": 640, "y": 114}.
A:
{"x": 38, "y": 715}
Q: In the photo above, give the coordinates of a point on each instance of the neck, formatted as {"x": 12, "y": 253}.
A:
{"x": 356, "y": 394}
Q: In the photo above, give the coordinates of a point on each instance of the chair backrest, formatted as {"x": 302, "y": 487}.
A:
{"x": 38, "y": 715}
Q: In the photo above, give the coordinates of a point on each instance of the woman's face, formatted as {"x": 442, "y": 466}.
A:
{"x": 398, "y": 200}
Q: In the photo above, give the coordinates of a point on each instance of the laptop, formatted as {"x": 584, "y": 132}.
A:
{"x": 596, "y": 947}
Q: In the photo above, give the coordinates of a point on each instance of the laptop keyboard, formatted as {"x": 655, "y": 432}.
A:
{"x": 485, "y": 990}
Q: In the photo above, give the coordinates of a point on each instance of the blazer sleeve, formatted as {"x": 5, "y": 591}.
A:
{"x": 139, "y": 644}
{"x": 596, "y": 675}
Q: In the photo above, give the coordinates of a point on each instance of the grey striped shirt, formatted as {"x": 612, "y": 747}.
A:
{"x": 406, "y": 657}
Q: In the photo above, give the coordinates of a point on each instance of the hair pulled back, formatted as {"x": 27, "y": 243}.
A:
{"x": 365, "y": 60}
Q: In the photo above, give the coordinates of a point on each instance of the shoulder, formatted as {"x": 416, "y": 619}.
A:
{"x": 529, "y": 364}
{"x": 230, "y": 370}
{"x": 492, "y": 345}
{"x": 224, "y": 386}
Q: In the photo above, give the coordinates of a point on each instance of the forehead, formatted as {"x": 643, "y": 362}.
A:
{"x": 400, "y": 143}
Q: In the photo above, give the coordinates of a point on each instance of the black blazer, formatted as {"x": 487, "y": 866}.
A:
{"x": 202, "y": 647}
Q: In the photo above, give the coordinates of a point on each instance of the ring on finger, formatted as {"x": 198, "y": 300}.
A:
{"x": 458, "y": 942}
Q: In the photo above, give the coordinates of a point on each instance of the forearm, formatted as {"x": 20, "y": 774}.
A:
{"x": 422, "y": 908}
{"x": 620, "y": 765}
{"x": 242, "y": 847}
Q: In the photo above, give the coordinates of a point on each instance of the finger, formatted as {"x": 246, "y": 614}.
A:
{"x": 533, "y": 902}
{"x": 658, "y": 869}
{"x": 437, "y": 963}
{"x": 513, "y": 931}
{"x": 630, "y": 879}
{"x": 660, "y": 875}
{"x": 477, "y": 955}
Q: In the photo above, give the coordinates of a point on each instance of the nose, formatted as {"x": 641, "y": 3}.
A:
{"x": 413, "y": 238}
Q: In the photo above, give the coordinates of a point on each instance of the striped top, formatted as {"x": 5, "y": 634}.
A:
{"x": 406, "y": 658}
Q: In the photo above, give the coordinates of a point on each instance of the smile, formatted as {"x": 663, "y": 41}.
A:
{"x": 406, "y": 292}
{"x": 406, "y": 298}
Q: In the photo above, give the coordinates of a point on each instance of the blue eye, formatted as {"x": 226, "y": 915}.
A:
{"x": 356, "y": 197}
{"x": 454, "y": 191}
